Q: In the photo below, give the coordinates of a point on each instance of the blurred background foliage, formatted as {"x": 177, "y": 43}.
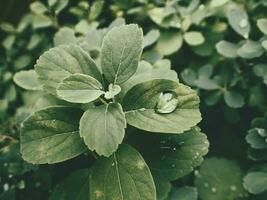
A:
{"x": 218, "y": 47}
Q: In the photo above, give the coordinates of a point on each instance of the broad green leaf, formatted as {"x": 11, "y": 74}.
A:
{"x": 145, "y": 72}
{"x": 59, "y": 62}
{"x": 234, "y": 99}
{"x": 151, "y": 37}
{"x": 194, "y": 38}
{"x": 141, "y": 101}
{"x": 257, "y": 138}
{"x": 238, "y": 19}
{"x": 260, "y": 69}
{"x": 256, "y": 182}
{"x": 102, "y": 128}
{"x": 218, "y": 3}
{"x": 173, "y": 156}
{"x": 219, "y": 179}
{"x": 27, "y": 80}
{"x": 66, "y": 36}
{"x": 51, "y": 135}
{"x": 227, "y": 49}
{"x": 75, "y": 186}
{"x": 262, "y": 25}
{"x": 124, "y": 175}
{"x": 169, "y": 43}
{"x": 121, "y": 52}
{"x": 184, "y": 193}
{"x": 250, "y": 49}
{"x": 79, "y": 88}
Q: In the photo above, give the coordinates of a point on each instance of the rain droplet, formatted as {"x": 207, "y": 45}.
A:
{"x": 6, "y": 187}
{"x": 243, "y": 23}
{"x": 5, "y": 164}
{"x": 167, "y": 103}
{"x": 163, "y": 142}
{"x": 10, "y": 176}
{"x": 196, "y": 172}
{"x": 206, "y": 185}
{"x": 173, "y": 165}
{"x": 181, "y": 143}
{"x": 174, "y": 149}
{"x": 213, "y": 189}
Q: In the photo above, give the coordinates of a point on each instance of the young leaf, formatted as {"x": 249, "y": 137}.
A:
{"x": 194, "y": 38}
{"x": 227, "y": 49}
{"x": 234, "y": 99}
{"x": 58, "y": 5}
{"x": 256, "y": 182}
{"x": 51, "y": 135}
{"x": 257, "y": 138}
{"x": 141, "y": 101}
{"x": 102, "y": 128}
{"x": 124, "y": 175}
{"x": 75, "y": 186}
{"x": 151, "y": 37}
{"x": 79, "y": 88}
{"x": 27, "y": 80}
{"x": 169, "y": 42}
{"x": 250, "y": 49}
{"x": 121, "y": 52}
{"x": 212, "y": 183}
{"x": 60, "y": 62}
{"x": 238, "y": 19}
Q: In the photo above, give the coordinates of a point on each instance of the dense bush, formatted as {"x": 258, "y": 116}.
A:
{"x": 123, "y": 100}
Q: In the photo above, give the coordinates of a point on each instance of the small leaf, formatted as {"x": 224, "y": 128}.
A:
{"x": 58, "y": 5}
{"x": 169, "y": 43}
{"x": 75, "y": 186}
{"x": 257, "y": 138}
{"x": 234, "y": 99}
{"x": 151, "y": 37}
{"x": 227, "y": 49}
{"x": 79, "y": 88}
{"x": 41, "y": 21}
{"x": 218, "y": 3}
{"x": 262, "y": 25}
{"x": 121, "y": 52}
{"x": 113, "y": 90}
{"x": 238, "y": 19}
{"x": 256, "y": 182}
{"x": 27, "y": 80}
{"x": 141, "y": 100}
{"x": 38, "y": 7}
{"x": 102, "y": 128}
{"x": 51, "y": 135}
{"x": 194, "y": 38}
{"x": 124, "y": 175}
{"x": 211, "y": 181}
{"x": 22, "y": 61}
{"x": 250, "y": 49}
{"x": 59, "y": 62}
{"x": 264, "y": 44}
{"x": 65, "y": 35}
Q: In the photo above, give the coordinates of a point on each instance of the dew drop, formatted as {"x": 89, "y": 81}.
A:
{"x": 243, "y": 23}
{"x": 6, "y": 187}
{"x": 167, "y": 103}
{"x": 206, "y": 185}
{"x": 163, "y": 142}
{"x": 173, "y": 165}
{"x": 174, "y": 149}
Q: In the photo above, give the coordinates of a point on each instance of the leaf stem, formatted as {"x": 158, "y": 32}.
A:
{"x": 103, "y": 100}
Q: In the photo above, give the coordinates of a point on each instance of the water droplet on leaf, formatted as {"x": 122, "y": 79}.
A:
{"x": 167, "y": 103}
{"x": 213, "y": 189}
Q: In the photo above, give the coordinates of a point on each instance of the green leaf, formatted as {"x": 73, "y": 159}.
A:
{"x": 260, "y": 69}
{"x": 27, "y": 80}
{"x": 79, "y": 88}
{"x": 264, "y": 44}
{"x": 142, "y": 99}
{"x": 184, "y": 193}
{"x": 218, "y": 3}
{"x": 151, "y": 37}
{"x": 22, "y": 61}
{"x": 211, "y": 181}
{"x": 121, "y": 52}
{"x": 41, "y": 21}
{"x": 173, "y": 156}
{"x": 169, "y": 43}
{"x": 59, "y": 62}
{"x": 194, "y": 38}
{"x": 234, "y": 99}
{"x": 238, "y": 19}
{"x": 257, "y": 138}
{"x": 75, "y": 186}
{"x": 58, "y": 5}
{"x": 95, "y": 9}
{"x": 102, "y": 128}
{"x": 163, "y": 187}
{"x": 124, "y": 175}
{"x": 38, "y": 8}
{"x": 51, "y": 135}
{"x": 262, "y": 25}
{"x": 113, "y": 90}
{"x": 227, "y": 49}
{"x": 9, "y": 41}
{"x": 66, "y": 36}
{"x": 250, "y": 49}
{"x": 256, "y": 182}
